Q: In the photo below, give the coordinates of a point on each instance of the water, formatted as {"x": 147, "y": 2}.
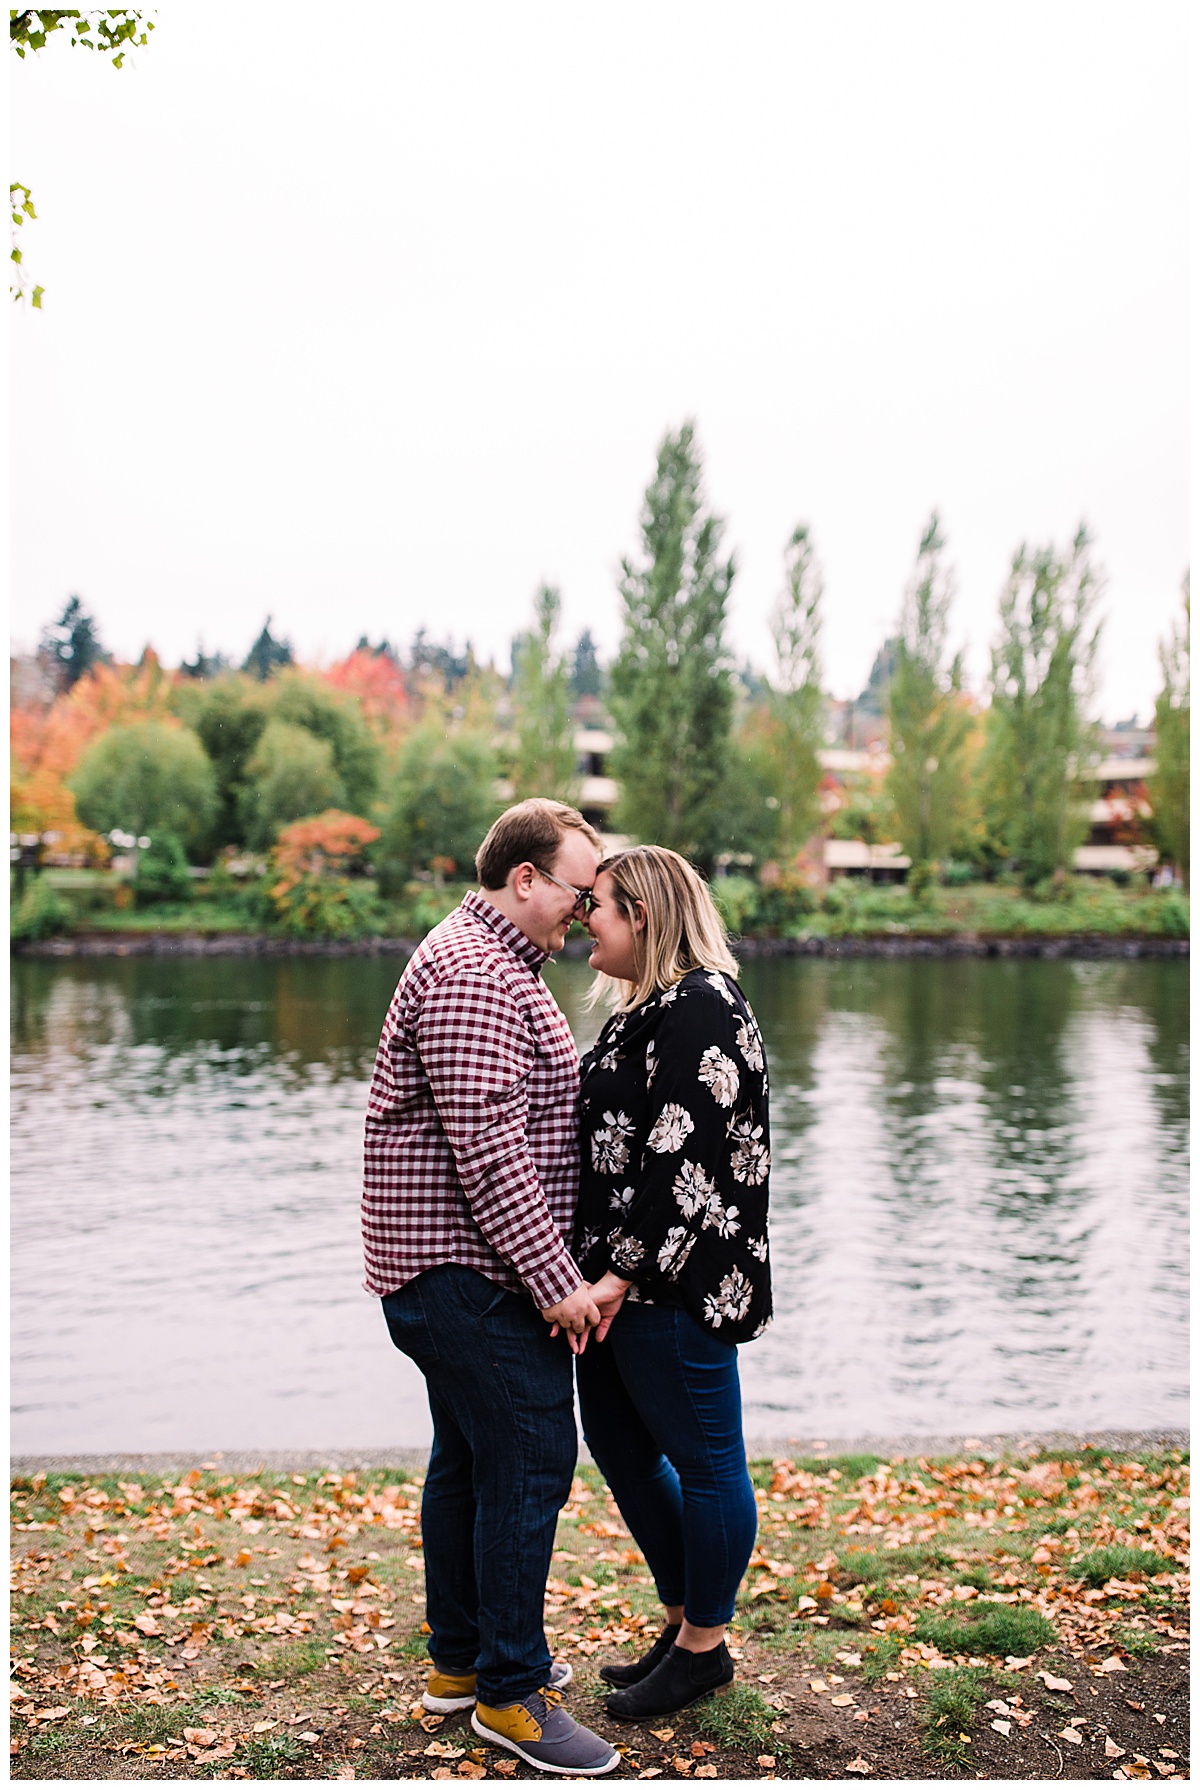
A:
{"x": 979, "y": 1201}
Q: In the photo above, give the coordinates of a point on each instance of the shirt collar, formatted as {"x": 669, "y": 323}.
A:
{"x": 480, "y": 908}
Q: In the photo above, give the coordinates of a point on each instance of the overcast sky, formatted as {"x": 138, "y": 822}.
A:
{"x": 376, "y": 319}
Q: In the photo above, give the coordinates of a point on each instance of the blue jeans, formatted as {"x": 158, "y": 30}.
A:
{"x": 662, "y": 1415}
{"x": 504, "y": 1450}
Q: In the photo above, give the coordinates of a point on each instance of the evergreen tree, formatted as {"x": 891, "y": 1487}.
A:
{"x": 672, "y": 693}
{"x": 1037, "y": 728}
{"x": 1170, "y": 787}
{"x": 586, "y": 676}
{"x": 545, "y": 757}
{"x": 796, "y": 705}
{"x": 71, "y": 646}
{"x": 929, "y": 723}
{"x": 267, "y": 654}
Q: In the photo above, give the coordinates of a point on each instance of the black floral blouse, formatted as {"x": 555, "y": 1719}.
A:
{"x": 676, "y": 1155}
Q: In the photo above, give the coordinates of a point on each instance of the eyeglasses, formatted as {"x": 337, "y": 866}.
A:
{"x": 583, "y": 897}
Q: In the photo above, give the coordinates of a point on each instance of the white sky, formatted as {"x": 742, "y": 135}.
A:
{"x": 376, "y": 319}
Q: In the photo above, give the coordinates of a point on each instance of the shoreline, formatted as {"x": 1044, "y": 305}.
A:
{"x": 988, "y": 1446}
{"x": 954, "y": 944}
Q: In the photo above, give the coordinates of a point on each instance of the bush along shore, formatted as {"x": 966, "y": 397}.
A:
{"x": 968, "y": 1616}
{"x": 65, "y": 913}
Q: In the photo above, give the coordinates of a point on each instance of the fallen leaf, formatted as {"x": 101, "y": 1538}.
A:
{"x": 842, "y": 1702}
{"x": 1004, "y": 1728}
{"x": 1111, "y": 1664}
{"x": 441, "y": 1749}
{"x": 313, "y": 1738}
{"x": 663, "y": 1733}
{"x": 204, "y": 1736}
{"x": 505, "y": 1767}
{"x": 862, "y": 1766}
{"x": 51, "y": 1715}
{"x": 145, "y": 1623}
{"x": 1111, "y": 1749}
{"x": 651, "y": 1771}
{"x": 344, "y": 1771}
{"x": 357, "y": 1574}
{"x": 263, "y": 1727}
{"x": 682, "y": 1766}
{"x": 817, "y": 1684}
{"x": 1054, "y": 1684}
{"x": 469, "y": 1769}
{"x": 705, "y": 1771}
{"x": 766, "y": 1760}
{"x": 1071, "y": 1734}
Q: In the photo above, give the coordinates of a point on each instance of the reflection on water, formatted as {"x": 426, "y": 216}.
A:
{"x": 979, "y": 1200}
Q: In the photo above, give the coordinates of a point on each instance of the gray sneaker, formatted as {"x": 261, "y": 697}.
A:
{"x": 545, "y": 1736}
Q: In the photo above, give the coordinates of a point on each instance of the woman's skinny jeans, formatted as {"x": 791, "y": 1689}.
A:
{"x": 662, "y": 1416}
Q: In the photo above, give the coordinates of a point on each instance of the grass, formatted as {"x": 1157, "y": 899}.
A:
{"x": 948, "y": 1710}
{"x": 268, "y": 1755}
{"x": 1103, "y": 1564}
{"x": 869, "y": 1566}
{"x": 740, "y": 1717}
{"x": 880, "y": 1657}
{"x": 984, "y": 1627}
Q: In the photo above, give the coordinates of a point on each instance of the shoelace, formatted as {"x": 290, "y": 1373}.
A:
{"x": 550, "y": 1698}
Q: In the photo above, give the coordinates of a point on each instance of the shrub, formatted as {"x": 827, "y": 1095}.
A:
{"x": 162, "y": 873}
{"x": 40, "y": 913}
{"x": 312, "y": 893}
{"x": 986, "y": 1627}
{"x": 442, "y": 804}
{"x": 290, "y": 774}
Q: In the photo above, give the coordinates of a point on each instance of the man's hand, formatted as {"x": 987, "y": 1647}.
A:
{"x": 575, "y": 1314}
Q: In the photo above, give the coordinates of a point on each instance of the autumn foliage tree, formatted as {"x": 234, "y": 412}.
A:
{"x": 315, "y": 878}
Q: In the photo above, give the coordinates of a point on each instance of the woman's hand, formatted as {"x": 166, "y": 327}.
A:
{"x": 609, "y": 1293}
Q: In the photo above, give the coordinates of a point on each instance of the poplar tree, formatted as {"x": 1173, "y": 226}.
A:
{"x": 1037, "y": 726}
{"x": 545, "y": 757}
{"x": 929, "y": 723}
{"x": 1170, "y": 787}
{"x": 672, "y": 693}
{"x": 796, "y": 704}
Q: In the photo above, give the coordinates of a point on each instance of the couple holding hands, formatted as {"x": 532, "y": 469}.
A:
{"x": 513, "y": 1194}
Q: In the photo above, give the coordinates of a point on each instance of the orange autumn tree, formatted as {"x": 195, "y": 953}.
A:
{"x": 378, "y": 683}
{"x": 47, "y": 742}
{"x": 312, "y": 870}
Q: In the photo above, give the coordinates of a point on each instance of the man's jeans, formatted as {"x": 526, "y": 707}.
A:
{"x": 504, "y": 1449}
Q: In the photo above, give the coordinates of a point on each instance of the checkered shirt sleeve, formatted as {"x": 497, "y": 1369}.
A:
{"x": 472, "y": 1127}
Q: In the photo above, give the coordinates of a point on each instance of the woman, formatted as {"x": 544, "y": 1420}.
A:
{"x": 672, "y": 1229}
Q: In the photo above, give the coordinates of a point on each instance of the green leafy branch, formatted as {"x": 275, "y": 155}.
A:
{"x": 111, "y": 31}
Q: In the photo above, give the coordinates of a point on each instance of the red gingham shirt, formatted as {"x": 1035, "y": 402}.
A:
{"x": 472, "y": 1140}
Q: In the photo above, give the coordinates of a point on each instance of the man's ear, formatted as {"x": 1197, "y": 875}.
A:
{"x": 521, "y": 880}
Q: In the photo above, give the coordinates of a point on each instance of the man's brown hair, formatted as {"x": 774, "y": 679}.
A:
{"x": 530, "y": 833}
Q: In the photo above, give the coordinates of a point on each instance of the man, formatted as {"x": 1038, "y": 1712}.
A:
{"x": 471, "y": 1177}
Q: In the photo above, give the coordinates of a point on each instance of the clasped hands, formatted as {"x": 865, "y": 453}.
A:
{"x": 587, "y": 1309}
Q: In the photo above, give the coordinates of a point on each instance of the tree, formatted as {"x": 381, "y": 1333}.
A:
{"x": 1170, "y": 787}
{"x": 111, "y": 31}
{"x": 267, "y": 654}
{"x": 586, "y": 676}
{"x": 162, "y": 871}
{"x": 291, "y": 775}
{"x": 71, "y": 646}
{"x": 443, "y": 802}
{"x": 426, "y": 659}
{"x": 145, "y": 778}
{"x": 303, "y": 699}
{"x": 929, "y": 722}
{"x": 545, "y": 757}
{"x": 672, "y": 694}
{"x": 229, "y": 716}
{"x": 205, "y": 666}
{"x": 1037, "y": 729}
{"x": 795, "y": 704}
{"x": 316, "y": 872}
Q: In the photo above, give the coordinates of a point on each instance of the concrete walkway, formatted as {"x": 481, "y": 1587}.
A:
{"x": 345, "y": 1460}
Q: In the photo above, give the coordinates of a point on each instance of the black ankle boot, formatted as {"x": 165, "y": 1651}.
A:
{"x": 623, "y": 1676}
{"x": 679, "y": 1678}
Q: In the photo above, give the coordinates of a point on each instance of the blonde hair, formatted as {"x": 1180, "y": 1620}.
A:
{"x": 683, "y": 929}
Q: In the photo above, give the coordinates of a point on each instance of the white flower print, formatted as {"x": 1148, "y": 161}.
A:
{"x": 672, "y": 1125}
{"x": 588, "y": 1242}
{"x": 627, "y": 1252}
{"x": 608, "y": 1061}
{"x": 668, "y": 995}
{"x": 677, "y": 1247}
{"x": 749, "y": 1042}
{"x": 610, "y": 1144}
{"x": 720, "y": 1218}
{"x": 717, "y": 981}
{"x": 751, "y": 1159}
{"x": 693, "y": 1190}
{"x": 757, "y": 1247}
{"x": 622, "y": 1199}
{"x": 731, "y": 1300}
{"x": 651, "y": 1063}
{"x": 719, "y": 1073}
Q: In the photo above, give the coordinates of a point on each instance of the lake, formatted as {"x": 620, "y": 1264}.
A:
{"x": 979, "y": 1201}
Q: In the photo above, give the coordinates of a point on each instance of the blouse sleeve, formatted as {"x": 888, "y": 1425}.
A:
{"x": 695, "y": 1074}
